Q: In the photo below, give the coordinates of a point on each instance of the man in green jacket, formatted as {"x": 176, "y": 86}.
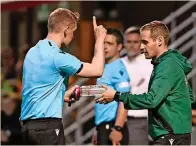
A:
{"x": 169, "y": 94}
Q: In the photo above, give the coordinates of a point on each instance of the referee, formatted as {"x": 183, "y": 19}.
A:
{"x": 110, "y": 119}
{"x": 45, "y": 77}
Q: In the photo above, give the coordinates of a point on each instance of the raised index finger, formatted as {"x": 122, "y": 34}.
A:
{"x": 94, "y": 22}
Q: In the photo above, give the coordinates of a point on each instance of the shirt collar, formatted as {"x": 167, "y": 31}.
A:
{"x": 51, "y": 43}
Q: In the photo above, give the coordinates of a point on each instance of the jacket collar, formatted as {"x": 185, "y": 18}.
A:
{"x": 160, "y": 58}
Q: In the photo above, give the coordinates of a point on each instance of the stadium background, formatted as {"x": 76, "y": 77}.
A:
{"x": 23, "y": 23}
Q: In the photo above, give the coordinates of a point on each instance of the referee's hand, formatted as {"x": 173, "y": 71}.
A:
{"x": 68, "y": 93}
{"x": 99, "y": 31}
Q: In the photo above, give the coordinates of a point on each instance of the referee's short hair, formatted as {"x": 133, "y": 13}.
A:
{"x": 61, "y": 18}
{"x": 116, "y": 33}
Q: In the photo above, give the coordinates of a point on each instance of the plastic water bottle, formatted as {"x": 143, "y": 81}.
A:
{"x": 86, "y": 91}
{"x": 90, "y": 90}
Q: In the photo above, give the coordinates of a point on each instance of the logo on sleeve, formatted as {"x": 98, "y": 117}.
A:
{"x": 121, "y": 73}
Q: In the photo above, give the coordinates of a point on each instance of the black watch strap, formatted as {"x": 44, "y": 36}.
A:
{"x": 117, "y": 96}
{"x": 118, "y": 128}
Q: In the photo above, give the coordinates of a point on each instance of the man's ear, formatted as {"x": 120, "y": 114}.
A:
{"x": 160, "y": 41}
{"x": 120, "y": 46}
{"x": 65, "y": 31}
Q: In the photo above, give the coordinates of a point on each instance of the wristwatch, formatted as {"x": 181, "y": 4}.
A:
{"x": 117, "y": 96}
{"x": 118, "y": 128}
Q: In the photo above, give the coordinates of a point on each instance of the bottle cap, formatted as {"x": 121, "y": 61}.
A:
{"x": 77, "y": 93}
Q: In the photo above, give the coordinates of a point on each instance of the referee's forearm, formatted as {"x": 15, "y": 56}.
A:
{"x": 98, "y": 60}
{"x": 121, "y": 115}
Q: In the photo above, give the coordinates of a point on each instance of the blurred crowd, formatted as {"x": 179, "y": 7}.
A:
{"x": 11, "y": 85}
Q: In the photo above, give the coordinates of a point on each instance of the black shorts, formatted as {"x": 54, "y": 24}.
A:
{"x": 173, "y": 139}
{"x": 47, "y": 131}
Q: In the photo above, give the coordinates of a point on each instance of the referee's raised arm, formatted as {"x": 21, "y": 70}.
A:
{"x": 95, "y": 68}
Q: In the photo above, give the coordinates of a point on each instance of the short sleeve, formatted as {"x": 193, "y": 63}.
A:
{"x": 67, "y": 63}
{"x": 121, "y": 81}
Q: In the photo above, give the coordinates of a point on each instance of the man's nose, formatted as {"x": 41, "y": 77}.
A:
{"x": 105, "y": 47}
{"x": 142, "y": 48}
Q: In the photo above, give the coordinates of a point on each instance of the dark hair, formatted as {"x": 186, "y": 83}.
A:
{"x": 116, "y": 33}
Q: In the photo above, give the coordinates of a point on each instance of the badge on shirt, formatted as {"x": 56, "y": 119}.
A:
{"x": 123, "y": 84}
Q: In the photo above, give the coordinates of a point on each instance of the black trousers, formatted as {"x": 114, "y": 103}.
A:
{"x": 47, "y": 131}
{"x": 138, "y": 130}
{"x": 174, "y": 139}
{"x": 104, "y": 130}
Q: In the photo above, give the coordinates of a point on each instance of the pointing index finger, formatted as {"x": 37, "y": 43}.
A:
{"x": 94, "y": 22}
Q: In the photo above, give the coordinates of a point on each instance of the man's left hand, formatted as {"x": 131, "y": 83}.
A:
{"x": 115, "y": 137}
{"x": 107, "y": 96}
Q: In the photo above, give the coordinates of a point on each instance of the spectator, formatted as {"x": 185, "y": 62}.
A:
{"x": 8, "y": 64}
{"x": 10, "y": 125}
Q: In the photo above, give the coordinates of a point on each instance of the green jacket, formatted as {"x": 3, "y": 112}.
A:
{"x": 169, "y": 96}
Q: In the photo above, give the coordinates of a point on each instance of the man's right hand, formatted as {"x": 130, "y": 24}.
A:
{"x": 99, "y": 31}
